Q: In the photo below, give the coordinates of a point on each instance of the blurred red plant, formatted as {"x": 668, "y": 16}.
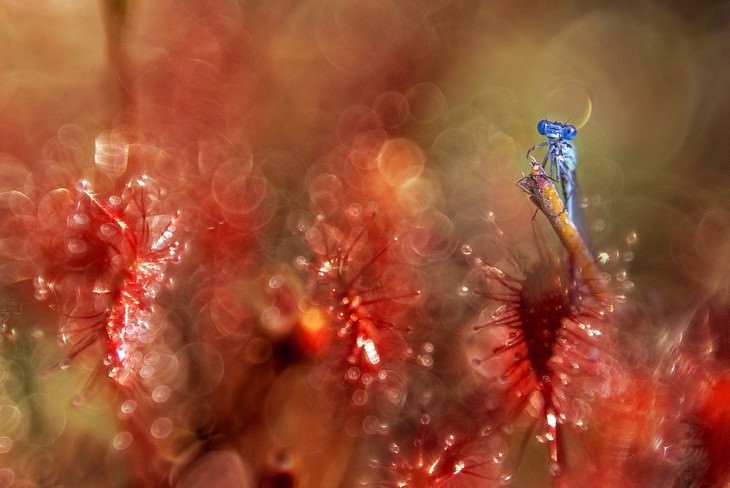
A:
{"x": 102, "y": 262}
{"x": 358, "y": 294}
{"x": 438, "y": 460}
{"x": 703, "y": 368}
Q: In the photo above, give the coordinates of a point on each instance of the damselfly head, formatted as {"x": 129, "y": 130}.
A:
{"x": 569, "y": 132}
{"x": 556, "y": 130}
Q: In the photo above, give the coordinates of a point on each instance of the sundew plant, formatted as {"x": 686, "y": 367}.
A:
{"x": 380, "y": 244}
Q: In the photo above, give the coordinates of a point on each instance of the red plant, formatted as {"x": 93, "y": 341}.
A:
{"x": 105, "y": 262}
{"x": 703, "y": 368}
{"x": 545, "y": 346}
{"x": 357, "y": 296}
{"x": 438, "y": 461}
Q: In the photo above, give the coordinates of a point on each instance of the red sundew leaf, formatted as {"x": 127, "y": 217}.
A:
{"x": 356, "y": 296}
{"x": 449, "y": 462}
{"x": 540, "y": 349}
{"x": 105, "y": 267}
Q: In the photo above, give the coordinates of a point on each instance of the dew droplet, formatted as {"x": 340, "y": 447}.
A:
{"x": 505, "y": 479}
{"x": 394, "y": 395}
{"x": 122, "y": 441}
{"x": 599, "y": 225}
{"x": 425, "y": 419}
{"x": 426, "y": 360}
{"x": 41, "y": 294}
{"x": 394, "y": 448}
{"x": 466, "y": 250}
{"x": 353, "y": 373}
{"x": 161, "y": 428}
{"x": 115, "y": 201}
{"x": 631, "y": 238}
{"x": 76, "y": 246}
{"x": 146, "y": 372}
{"x": 370, "y": 425}
{"x": 79, "y": 219}
{"x": 161, "y": 393}
{"x": 151, "y": 358}
{"x": 498, "y": 457}
{"x": 83, "y": 186}
{"x": 359, "y": 397}
{"x": 276, "y": 281}
{"x": 79, "y": 400}
{"x": 128, "y": 407}
{"x": 354, "y": 211}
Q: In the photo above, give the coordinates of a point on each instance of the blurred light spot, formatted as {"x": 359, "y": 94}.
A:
{"x": 128, "y": 407}
{"x": 161, "y": 428}
{"x": 313, "y": 320}
{"x": 417, "y": 195}
{"x": 6, "y": 444}
{"x": 238, "y": 186}
{"x": 324, "y": 192}
{"x": 9, "y": 418}
{"x": 122, "y": 441}
{"x": 161, "y": 393}
{"x": 400, "y": 160}
{"x": 568, "y": 101}
{"x": 111, "y": 154}
{"x": 431, "y": 236}
{"x": 359, "y": 397}
{"x": 391, "y": 109}
{"x": 426, "y": 101}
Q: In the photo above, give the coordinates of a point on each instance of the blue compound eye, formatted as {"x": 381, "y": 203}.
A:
{"x": 542, "y": 127}
{"x": 569, "y": 132}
